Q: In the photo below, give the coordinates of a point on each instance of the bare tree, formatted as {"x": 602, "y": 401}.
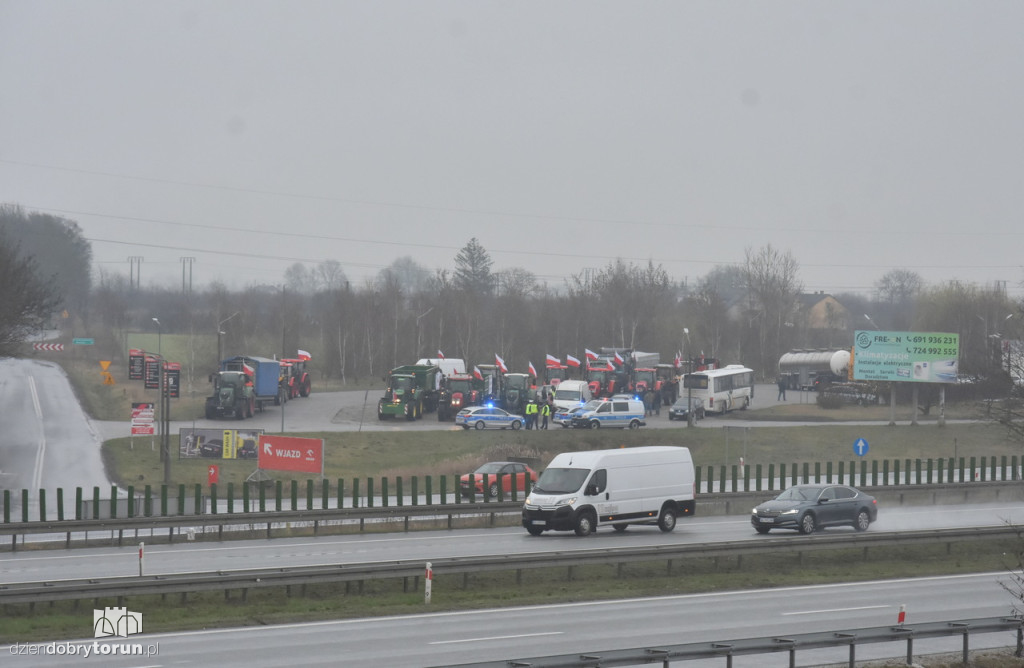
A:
{"x": 772, "y": 285}
{"x": 27, "y": 300}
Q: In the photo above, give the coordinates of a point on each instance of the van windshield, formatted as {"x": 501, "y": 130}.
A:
{"x": 561, "y": 481}
{"x": 567, "y": 394}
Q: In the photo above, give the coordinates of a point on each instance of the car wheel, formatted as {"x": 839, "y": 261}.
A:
{"x": 863, "y": 521}
{"x": 480, "y": 424}
{"x": 516, "y": 425}
{"x": 667, "y": 520}
{"x": 807, "y": 524}
{"x": 584, "y": 524}
{"x": 534, "y": 531}
{"x": 620, "y": 528}
{"x": 493, "y": 490}
{"x": 762, "y": 530}
{"x": 594, "y": 424}
{"x": 465, "y": 426}
{"x": 634, "y": 424}
{"x": 670, "y": 418}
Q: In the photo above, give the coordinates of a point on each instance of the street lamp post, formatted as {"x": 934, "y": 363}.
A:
{"x": 220, "y": 333}
{"x": 689, "y": 386}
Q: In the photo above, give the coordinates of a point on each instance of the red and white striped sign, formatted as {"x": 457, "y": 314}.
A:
{"x": 48, "y": 346}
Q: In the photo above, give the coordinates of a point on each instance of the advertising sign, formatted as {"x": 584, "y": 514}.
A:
{"x": 152, "y": 381}
{"x": 136, "y": 361}
{"x": 172, "y": 379}
{"x": 218, "y": 443}
{"x": 289, "y": 453}
{"x": 142, "y": 419}
{"x": 917, "y": 357}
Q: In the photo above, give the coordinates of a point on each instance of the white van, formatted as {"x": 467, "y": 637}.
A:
{"x": 571, "y": 393}
{"x": 580, "y": 491}
{"x": 621, "y": 413}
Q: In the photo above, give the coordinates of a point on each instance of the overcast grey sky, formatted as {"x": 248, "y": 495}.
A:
{"x": 860, "y": 136}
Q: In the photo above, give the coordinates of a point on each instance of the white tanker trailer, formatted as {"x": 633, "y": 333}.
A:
{"x": 809, "y": 369}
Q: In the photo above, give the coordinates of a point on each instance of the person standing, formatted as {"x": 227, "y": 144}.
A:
{"x": 531, "y": 413}
{"x": 656, "y": 402}
{"x": 545, "y": 413}
{"x": 782, "y": 389}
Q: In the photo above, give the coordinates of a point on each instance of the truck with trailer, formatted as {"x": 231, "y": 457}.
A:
{"x": 411, "y": 391}
{"x": 244, "y": 385}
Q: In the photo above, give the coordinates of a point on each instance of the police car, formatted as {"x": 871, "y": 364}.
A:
{"x": 487, "y": 417}
{"x": 621, "y": 413}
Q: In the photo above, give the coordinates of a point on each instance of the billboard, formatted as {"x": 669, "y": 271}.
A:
{"x": 289, "y": 453}
{"x": 917, "y": 357}
{"x": 218, "y": 443}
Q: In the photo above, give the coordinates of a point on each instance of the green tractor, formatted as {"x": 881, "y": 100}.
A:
{"x": 412, "y": 391}
{"x": 232, "y": 396}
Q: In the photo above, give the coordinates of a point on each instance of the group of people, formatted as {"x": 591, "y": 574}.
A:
{"x": 538, "y": 411}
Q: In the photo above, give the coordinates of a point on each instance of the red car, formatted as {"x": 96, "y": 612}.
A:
{"x": 508, "y": 473}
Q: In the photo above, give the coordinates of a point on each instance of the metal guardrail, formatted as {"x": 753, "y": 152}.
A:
{"x": 35, "y": 592}
{"x": 727, "y": 649}
{"x": 315, "y": 518}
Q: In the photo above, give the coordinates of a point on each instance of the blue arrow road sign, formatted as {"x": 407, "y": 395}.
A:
{"x": 860, "y": 447}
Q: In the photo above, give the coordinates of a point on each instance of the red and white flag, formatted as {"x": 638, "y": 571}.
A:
{"x": 553, "y": 361}
{"x": 571, "y": 361}
{"x": 618, "y": 359}
{"x": 591, "y": 355}
{"x": 533, "y": 372}
{"x": 248, "y": 369}
{"x": 477, "y": 374}
{"x": 501, "y": 364}
{"x": 303, "y": 355}
{"x": 609, "y": 367}
{"x": 440, "y": 355}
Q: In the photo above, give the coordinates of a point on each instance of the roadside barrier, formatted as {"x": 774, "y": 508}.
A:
{"x": 367, "y": 493}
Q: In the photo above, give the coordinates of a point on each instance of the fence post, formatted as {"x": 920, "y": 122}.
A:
{"x": 874, "y": 472}
{"x": 930, "y": 463}
{"x": 399, "y": 490}
{"x": 355, "y": 492}
{"x": 131, "y": 501}
{"x": 7, "y": 506}
{"x": 113, "y": 501}
{"x": 384, "y": 500}
{"x": 721, "y": 479}
{"x": 163, "y": 501}
{"x": 181, "y": 499}
{"x": 24, "y": 505}
{"x": 325, "y": 494}
{"x": 95, "y": 503}
{"x": 697, "y": 478}
{"x": 735, "y": 480}
{"x": 60, "y": 504}
{"x": 415, "y": 490}
{"x": 213, "y": 498}
{"x": 78, "y": 503}
{"x": 147, "y": 501}
{"x": 231, "y": 498}
{"x": 369, "y": 492}
{"x": 444, "y": 490}
{"x": 430, "y": 491}
{"x": 263, "y": 496}
{"x": 278, "y": 494}
{"x": 885, "y": 472}
{"x": 309, "y": 494}
{"x": 42, "y": 505}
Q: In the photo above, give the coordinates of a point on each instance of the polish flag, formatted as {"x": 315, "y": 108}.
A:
{"x": 533, "y": 372}
{"x": 591, "y": 355}
{"x": 501, "y": 364}
{"x": 304, "y": 356}
{"x": 609, "y": 367}
{"x": 679, "y": 359}
{"x": 553, "y": 361}
{"x": 618, "y": 359}
{"x": 248, "y": 369}
{"x": 572, "y": 361}
{"x": 440, "y": 355}
{"x": 477, "y": 374}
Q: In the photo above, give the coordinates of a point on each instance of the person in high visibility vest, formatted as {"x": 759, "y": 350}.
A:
{"x": 545, "y": 412}
{"x": 531, "y": 414}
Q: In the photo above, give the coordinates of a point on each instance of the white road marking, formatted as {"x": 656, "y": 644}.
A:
{"x": 815, "y": 612}
{"x": 37, "y": 474}
{"x": 521, "y": 635}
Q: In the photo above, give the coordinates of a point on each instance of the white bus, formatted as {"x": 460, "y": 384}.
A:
{"x": 721, "y": 390}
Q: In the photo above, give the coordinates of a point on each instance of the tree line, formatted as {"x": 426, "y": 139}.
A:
{"x": 748, "y": 313}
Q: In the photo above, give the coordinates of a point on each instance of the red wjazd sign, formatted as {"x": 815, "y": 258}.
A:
{"x": 290, "y": 453}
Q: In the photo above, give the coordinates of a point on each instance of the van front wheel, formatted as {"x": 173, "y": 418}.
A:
{"x": 594, "y": 424}
{"x": 635, "y": 424}
{"x": 667, "y": 520}
{"x": 585, "y": 524}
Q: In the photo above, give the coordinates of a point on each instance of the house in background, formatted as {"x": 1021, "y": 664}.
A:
{"x": 824, "y": 321}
